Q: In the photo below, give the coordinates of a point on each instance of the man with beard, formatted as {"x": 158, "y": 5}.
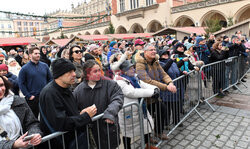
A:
{"x": 32, "y": 78}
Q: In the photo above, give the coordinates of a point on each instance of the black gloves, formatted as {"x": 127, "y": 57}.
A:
{"x": 156, "y": 93}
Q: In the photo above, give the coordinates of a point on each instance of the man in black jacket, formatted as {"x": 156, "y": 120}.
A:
{"x": 58, "y": 107}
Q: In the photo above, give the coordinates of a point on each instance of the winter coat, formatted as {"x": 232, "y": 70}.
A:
{"x": 203, "y": 53}
{"x": 59, "y": 107}
{"x": 152, "y": 73}
{"x": 14, "y": 81}
{"x": 108, "y": 98}
{"x": 111, "y": 52}
{"x": 44, "y": 58}
{"x": 15, "y": 70}
{"x": 218, "y": 56}
{"x": 28, "y": 121}
{"x": 129, "y": 120}
{"x": 174, "y": 72}
{"x": 236, "y": 50}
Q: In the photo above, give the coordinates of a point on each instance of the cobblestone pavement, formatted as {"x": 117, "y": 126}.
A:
{"x": 227, "y": 128}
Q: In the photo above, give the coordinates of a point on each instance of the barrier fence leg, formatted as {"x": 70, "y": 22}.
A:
{"x": 243, "y": 84}
{"x": 238, "y": 88}
{"x": 199, "y": 114}
{"x": 210, "y": 105}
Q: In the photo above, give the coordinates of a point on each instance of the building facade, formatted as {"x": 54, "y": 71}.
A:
{"x": 6, "y": 26}
{"x": 138, "y": 16}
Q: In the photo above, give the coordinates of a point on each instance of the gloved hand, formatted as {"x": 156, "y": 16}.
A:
{"x": 156, "y": 93}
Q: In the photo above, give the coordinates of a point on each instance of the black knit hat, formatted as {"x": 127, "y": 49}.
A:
{"x": 61, "y": 66}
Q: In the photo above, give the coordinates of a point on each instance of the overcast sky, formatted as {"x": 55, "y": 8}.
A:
{"x": 39, "y": 7}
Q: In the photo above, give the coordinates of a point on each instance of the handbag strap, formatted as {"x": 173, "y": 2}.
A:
{"x": 4, "y": 134}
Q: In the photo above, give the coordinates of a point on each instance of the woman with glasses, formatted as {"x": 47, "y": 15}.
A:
{"x": 75, "y": 56}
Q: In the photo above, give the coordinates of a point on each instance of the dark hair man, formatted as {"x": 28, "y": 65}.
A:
{"x": 32, "y": 78}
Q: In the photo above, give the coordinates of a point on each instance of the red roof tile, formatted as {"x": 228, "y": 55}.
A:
{"x": 17, "y": 41}
{"x": 61, "y": 42}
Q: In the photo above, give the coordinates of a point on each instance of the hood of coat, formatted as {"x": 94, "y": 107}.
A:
{"x": 139, "y": 58}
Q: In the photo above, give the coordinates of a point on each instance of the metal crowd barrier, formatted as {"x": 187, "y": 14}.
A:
{"x": 95, "y": 134}
{"x": 221, "y": 76}
{"x": 244, "y": 67}
{"x": 170, "y": 112}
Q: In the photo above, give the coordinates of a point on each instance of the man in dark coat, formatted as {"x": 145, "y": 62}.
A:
{"x": 58, "y": 107}
{"x": 107, "y": 95}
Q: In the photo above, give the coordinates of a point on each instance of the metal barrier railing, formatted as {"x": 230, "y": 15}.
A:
{"x": 95, "y": 135}
{"x": 170, "y": 112}
{"x": 221, "y": 76}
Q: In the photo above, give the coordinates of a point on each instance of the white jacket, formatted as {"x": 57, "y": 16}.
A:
{"x": 129, "y": 117}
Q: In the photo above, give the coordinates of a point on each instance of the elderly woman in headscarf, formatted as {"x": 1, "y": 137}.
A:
{"x": 16, "y": 120}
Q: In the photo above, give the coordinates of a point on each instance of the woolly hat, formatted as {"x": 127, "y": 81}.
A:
{"x": 4, "y": 67}
{"x": 125, "y": 66}
{"x": 61, "y": 66}
{"x": 112, "y": 43}
{"x": 174, "y": 42}
{"x": 11, "y": 60}
{"x": 225, "y": 37}
{"x": 93, "y": 47}
{"x": 1, "y": 55}
{"x": 188, "y": 45}
{"x": 178, "y": 45}
{"x": 163, "y": 52}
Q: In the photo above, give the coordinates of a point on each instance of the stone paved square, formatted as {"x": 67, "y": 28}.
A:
{"x": 224, "y": 131}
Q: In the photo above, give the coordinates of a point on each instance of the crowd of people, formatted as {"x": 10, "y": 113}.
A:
{"x": 70, "y": 85}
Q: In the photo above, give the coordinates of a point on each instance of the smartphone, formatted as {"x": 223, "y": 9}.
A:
{"x": 27, "y": 138}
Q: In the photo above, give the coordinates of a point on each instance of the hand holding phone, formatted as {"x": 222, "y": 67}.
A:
{"x": 27, "y": 138}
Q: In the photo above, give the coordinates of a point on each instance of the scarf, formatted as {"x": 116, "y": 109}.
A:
{"x": 8, "y": 119}
{"x": 134, "y": 82}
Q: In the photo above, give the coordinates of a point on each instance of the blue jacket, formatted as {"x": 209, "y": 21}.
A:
{"x": 33, "y": 77}
{"x": 174, "y": 72}
{"x": 14, "y": 81}
{"x": 111, "y": 52}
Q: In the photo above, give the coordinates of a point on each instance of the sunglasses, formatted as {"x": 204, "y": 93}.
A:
{"x": 78, "y": 51}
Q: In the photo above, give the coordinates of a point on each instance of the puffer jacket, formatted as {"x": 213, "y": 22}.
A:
{"x": 152, "y": 73}
{"x": 129, "y": 117}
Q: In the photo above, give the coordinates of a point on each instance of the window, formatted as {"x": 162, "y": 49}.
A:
{"x": 9, "y": 25}
{"x": 26, "y": 29}
{"x": 31, "y": 23}
{"x": 149, "y": 2}
{"x": 134, "y": 4}
{"x": 37, "y": 23}
{"x": 25, "y": 23}
{"x": 122, "y": 5}
{"x": 2, "y": 25}
{"x": 19, "y": 29}
{"x": 19, "y": 23}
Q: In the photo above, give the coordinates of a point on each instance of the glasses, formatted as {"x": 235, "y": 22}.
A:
{"x": 78, "y": 51}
